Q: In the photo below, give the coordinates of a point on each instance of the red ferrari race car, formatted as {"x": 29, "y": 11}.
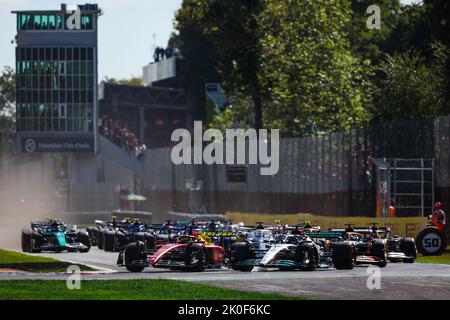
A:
{"x": 189, "y": 253}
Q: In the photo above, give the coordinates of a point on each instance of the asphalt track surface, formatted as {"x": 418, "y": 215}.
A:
{"x": 398, "y": 280}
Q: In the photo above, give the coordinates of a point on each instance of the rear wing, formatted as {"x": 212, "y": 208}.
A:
{"x": 217, "y": 234}
{"x": 324, "y": 235}
{"x": 155, "y": 226}
{"x": 45, "y": 223}
{"x": 343, "y": 230}
{"x": 159, "y": 226}
{"x": 39, "y": 224}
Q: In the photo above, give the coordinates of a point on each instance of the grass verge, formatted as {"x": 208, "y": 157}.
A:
{"x": 444, "y": 258}
{"x": 142, "y": 289}
{"x": 30, "y": 263}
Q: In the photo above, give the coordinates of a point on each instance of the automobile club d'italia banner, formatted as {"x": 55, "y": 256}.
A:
{"x": 58, "y": 144}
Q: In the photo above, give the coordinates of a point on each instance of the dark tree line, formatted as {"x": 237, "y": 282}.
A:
{"x": 312, "y": 66}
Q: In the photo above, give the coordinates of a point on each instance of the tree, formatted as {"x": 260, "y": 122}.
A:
{"x": 289, "y": 60}
{"x": 199, "y": 59}
{"x": 367, "y": 43}
{"x": 438, "y": 13}
{"x": 312, "y": 78}
{"x": 174, "y": 40}
{"x": 232, "y": 27}
{"x": 7, "y": 98}
{"x": 7, "y": 91}
{"x": 7, "y": 107}
{"x": 133, "y": 81}
{"x": 411, "y": 89}
{"x": 413, "y": 31}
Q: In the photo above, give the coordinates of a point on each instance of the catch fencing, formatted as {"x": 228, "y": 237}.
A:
{"x": 327, "y": 174}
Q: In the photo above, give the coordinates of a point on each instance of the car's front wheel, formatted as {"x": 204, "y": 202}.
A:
{"x": 27, "y": 241}
{"x": 84, "y": 239}
{"x": 306, "y": 253}
{"x": 109, "y": 244}
{"x": 134, "y": 252}
{"x": 343, "y": 256}
{"x": 379, "y": 250}
{"x": 196, "y": 258}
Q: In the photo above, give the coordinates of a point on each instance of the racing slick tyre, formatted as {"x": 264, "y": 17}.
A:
{"x": 147, "y": 238}
{"x": 109, "y": 244}
{"x": 240, "y": 251}
{"x": 408, "y": 247}
{"x": 306, "y": 253}
{"x": 379, "y": 250}
{"x": 140, "y": 236}
{"x": 84, "y": 239}
{"x": 227, "y": 243}
{"x": 92, "y": 232}
{"x": 120, "y": 241}
{"x": 100, "y": 239}
{"x": 431, "y": 242}
{"x": 196, "y": 257}
{"x": 134, "y": 252}
{"x": 37, "y": 239}
{"x": 27, "y": 241}
{"x": 343, "y": 256}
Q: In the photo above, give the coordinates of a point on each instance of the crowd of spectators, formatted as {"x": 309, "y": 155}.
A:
{"x": 120, "y": 134}
{"x": 161, "y": 53}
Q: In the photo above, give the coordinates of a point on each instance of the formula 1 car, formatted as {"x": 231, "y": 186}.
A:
{"x": 358, "y": 246}
{"x": 303, "y": 251}
{"x": 169, "y": 231}
{"x": 311, "y": 249}
{"x": 93, "y": 233}
{"x": 273, "y": 247}
{"x": 117, "y": 235}
{"x": 189, "y": 253}
{"x": 97, "y": 233}
{"x": 398, "y": 249}
{"x": 54, "y": 235}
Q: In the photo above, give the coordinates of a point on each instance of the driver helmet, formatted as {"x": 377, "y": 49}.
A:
{"x": 212, "y": 226}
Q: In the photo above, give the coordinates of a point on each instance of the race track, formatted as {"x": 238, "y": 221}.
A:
{"x": 398, "y": 280}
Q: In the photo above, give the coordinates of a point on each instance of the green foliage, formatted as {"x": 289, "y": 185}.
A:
{"x": 413, "y": 31}
{"x": 232, "y": 28}
{"x": 133, "y": 81}
{"x": 199, "y": 57}
{"x": 236, "y": 115}
{"x": 7, "y": 97}
{"x": 291, "y": 58}
{"x": 438, "y": 15}
{"x": 174, "y": 40}
{"x": 313, "y": 80}
{"x": 7, "y": 110}
{"x": 310, "y": 65}
{"x": 409, "y": 88}
{"x": 371, "y": 44}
